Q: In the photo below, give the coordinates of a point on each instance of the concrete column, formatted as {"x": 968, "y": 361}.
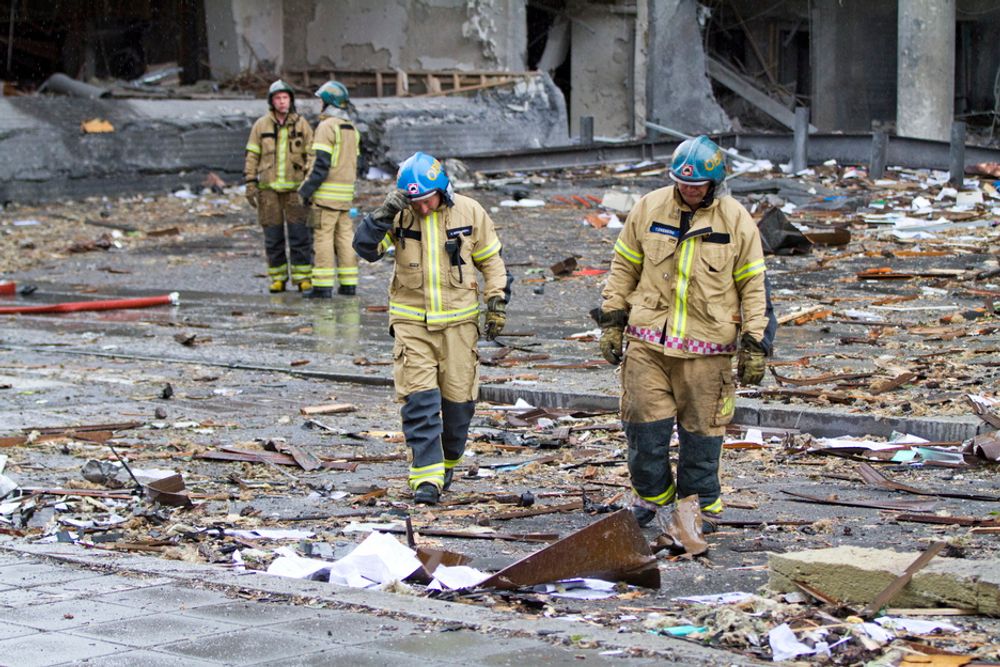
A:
{"x": 925, "y": 75}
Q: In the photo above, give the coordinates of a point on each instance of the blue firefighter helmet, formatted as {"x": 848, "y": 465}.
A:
{"x": 333, "y": 93}
{"x": 698, "y": 161}
{"x": 421, "y": 175}
{"x": 280, "y": 86}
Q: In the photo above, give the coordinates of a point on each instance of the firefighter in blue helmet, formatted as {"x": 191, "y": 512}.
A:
{"x": 686, "y": 291}
{"x": 441, "y": 240}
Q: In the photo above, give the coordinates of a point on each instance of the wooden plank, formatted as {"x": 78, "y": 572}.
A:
{"x": 328, "y": 409}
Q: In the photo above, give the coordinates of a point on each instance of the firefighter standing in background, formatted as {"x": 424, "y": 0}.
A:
{"x": 441, "y": 239}
{"x": 330, "y": 188}
{"x": 277, "y": 152}
{"x": 686, "y": 284}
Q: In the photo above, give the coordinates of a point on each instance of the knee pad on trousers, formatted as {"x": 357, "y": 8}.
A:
{"x": 698, "y": 468}
{"x": 649, "y": 459}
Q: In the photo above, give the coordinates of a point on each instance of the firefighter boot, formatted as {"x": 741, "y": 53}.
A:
{"x": 421, "y": 415}
{"x": 276, "y": 286}
{"x": 698, "y": 470}
{"x": 347, "y": 290}
{"x": 649, "y": 466}
{"x": 455, "y": 432}
{"x": 305, "y": 285}
{"x": 319, "y": 293}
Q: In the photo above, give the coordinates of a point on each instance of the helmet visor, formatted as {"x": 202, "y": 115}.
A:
{"x": 677, "y": 179}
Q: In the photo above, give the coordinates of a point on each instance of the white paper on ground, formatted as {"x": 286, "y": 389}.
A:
{"x": 784, "y": 645}
{"x": 379, "y": 559}
{"x": 455, "y": 577}
{"x": 290, "y": 564}
{"x": 367, "y": 527}
{"x": 718, "y": 598}
{"x": 580, "y": 588}
{"x": 916, "y": 625}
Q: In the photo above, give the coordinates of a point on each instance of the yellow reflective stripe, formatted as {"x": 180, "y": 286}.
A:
{"x": 662, "y": 499}
{"x": 681, "y": 288}
{"x": 441, "y": 316}
{"x": 486, "y": 252}
{"x": 628, "y": 253}
{"x": 433, "y": 316}
{"x": 749, "y": 270}
{"x": 347, "y": 271}
{"x": 433, "y": 473}
{"x": 253, "y": 148}
{"x": 326, "y": 148}
{"x": 713, "y": 508}
{"x": 334, "y": 192}
{"x": 280, "y": 185}
{"x": 277, "y": 270}
{"x": 407, "y": 311}
{"x": 282, "y": 154}
{"x": 449, "y": 464}
{"x": 385, "y": 243}
{"x": 430, "y": 225}
{"x": 336, "y": 150}
{"x": 357, "y": 142}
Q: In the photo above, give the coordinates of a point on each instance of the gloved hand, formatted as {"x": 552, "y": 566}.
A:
{"x": 304, "y": 198}
{"x": 253, "y": 194}
{"x": 394, "y": 202}
{"x": 751, "y": 361}
{"x": 612, "y": 331}
{"x": 496, "y": 317}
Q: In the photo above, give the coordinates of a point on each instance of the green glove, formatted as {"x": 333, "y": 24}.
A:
{"x": 612, "y": 331}
{"x": 253, "y": 194}
{"x": 394, "y": 202}
{"x": 751, "y": 361}
{"x": 496, "y": 317}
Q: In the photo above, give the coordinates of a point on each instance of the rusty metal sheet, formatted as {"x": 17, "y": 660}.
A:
{"x": 169, "y": 491}
{"x": 986, "y": 446}
{"x": 612, "y": 548}
{"x": 901, "y": 505}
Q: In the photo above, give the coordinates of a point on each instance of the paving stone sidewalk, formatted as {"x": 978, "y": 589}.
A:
{"x": 54, "y": 612}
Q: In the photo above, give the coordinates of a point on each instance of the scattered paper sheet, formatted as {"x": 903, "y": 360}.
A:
{"x": 456, "y": 577}
{"x": 272, "y": 534}
{"x": 734, "y": 597}
{"x": 379, "y": 559}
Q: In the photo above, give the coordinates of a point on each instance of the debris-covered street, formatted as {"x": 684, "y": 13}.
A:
{"x": 277, "y": 415}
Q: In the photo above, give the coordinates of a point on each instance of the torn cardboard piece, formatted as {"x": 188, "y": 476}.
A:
{"x": 169, "y": 491}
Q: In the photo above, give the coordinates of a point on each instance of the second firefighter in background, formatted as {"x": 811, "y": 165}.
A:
{"x": 442, "y": 240}
{"x": 330, "y": 188}
{"x": 276, "y": 155}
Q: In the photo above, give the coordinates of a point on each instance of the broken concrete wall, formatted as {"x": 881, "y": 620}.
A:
{"x": 161, "y": 145}
{"x": 601, "y": 58}
{"x": 396, "y": 34}
{"x": 244, "y": 34}
{"x": 849, "y": 90}
{"x": 678, "y": 91}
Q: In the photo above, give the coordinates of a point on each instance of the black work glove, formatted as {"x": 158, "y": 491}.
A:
{"x": 751, "y": 361}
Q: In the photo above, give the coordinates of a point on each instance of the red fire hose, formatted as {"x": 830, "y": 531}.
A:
{"x": 111, "y": 304}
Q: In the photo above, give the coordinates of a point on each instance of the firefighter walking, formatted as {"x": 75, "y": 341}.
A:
{"x": 329, "y": 187}
{"x": 276, "y": 157}
{"x": 441, "y": 241}
{"x": 686, "y": 291}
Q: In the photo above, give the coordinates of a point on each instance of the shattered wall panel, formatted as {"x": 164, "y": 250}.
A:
{"x": 427, "y": 34}
{"x": 244, "y": 34}
{"x": 678, "y": 91}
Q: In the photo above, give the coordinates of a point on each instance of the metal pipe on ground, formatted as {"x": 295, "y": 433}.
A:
{"x": 66, "y": 85}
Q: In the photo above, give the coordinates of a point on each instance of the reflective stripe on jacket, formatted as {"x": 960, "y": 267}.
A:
{"x": 276, "y": 154}
{"x": 690, "y": 295}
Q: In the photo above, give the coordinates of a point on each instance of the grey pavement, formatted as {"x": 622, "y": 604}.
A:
{"x": 61, "y": 604}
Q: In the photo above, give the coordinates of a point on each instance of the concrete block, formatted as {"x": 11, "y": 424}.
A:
{"x": 53, "y": 648}
{"x": 248, "y": 613}
{"x": 165, "y": 598}
{"x": 66, "y": 614}
{"x": 347, "y": 627}
{"x": 830, "y": 423}
{"x": 155, "y": 630}
{"x": 26, "y": 575}
{"x": 147, "y": 659}
{"x": 855, "y": 575}
{"x": 248, "y": 646}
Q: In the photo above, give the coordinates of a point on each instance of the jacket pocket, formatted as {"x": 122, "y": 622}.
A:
{"x": 725, "y": 405}
{"x": 408, "y": 277}
{"x": 658, "y": 247}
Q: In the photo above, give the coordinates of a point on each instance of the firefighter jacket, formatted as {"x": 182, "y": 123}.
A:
{"x": 277, "y": 153}
{"x": 333, "y": 163}
{"x": 691, "y": 284}
{"x": 434, "y": 281}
